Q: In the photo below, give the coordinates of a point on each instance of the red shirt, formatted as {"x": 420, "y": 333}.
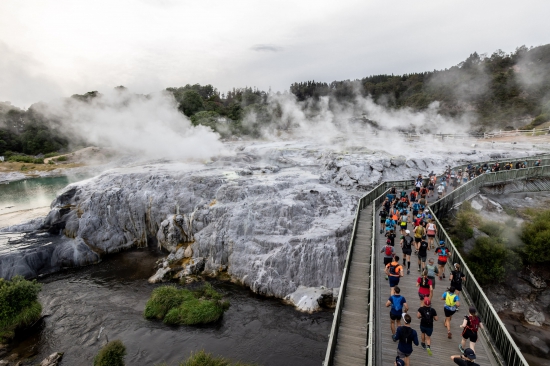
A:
{"x": 423, "y": 290}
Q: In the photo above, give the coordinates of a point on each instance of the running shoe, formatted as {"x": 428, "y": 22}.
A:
{"x": 423, "y": 345}
{"x": 460, "y": 348}
{"x": 443, "y": 275}
{"x": 386, "y": 277}
{"x": 418, "y": 269}
{"x": 449, "y": 335}
{"x": 408, "y": 271}
{"x": 430, "y": 353}
{"x": 441, "y": 279}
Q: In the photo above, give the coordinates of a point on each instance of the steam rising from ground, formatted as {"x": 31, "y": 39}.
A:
{"x": 359, "y": 123}
{"x": 148, "y": 125}
{"x": 152, "y": 126}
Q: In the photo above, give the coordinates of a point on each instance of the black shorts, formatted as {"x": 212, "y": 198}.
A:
{"x": 407, "y": 251}
{"x": 417, "y": 240}
{"x": 469, "y": 334}
{"x": 449, "y": 313}
{"x": 441, "y": 263}
{"x": 395, "y": 317}
{"x": 387, "y": 260}
{"x": 403, "y": 227}
{"x": 457, "y": 287}
{"x": 417, "y": 189}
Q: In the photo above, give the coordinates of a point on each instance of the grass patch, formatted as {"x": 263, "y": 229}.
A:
{"x": 61, "y": 158}
{"x": 50, "y": 155}
{"x": 202, "y": 358}
{"x": 19, "y": 306}
{"x": 183, "y": 306}
{"x": 112, "y": 354}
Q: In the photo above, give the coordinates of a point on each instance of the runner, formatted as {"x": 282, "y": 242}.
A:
{"x": 394, "y": 271}
{"x": 398, "y": 307}
{"x": 440, "y": 190}
{"x": 391, "y": 236}
{"x": 431, "y": 187}
{"x": 406, "y": 246}
{"x": 422, "y": 252}
{"x": 418, "y": 184}
{"x": 457, "y": 279}
{"x": 427, "y": 315}
{"x": 412, "y": 196}
{"x": 406, "y": 336}
{"x": 431, "y": 231}
{"x": 383, "y": 216}
{"x": 388, "y": 253}
{"x": 432, "y": 271}
{"x": 425, "y": 289}
{"x": 467, "y": 359}
{"x": 451, "y": 302}
{"x": 471, "y": 325}
{"x": 443, "y": 252}
{"x": 403, "y": 221}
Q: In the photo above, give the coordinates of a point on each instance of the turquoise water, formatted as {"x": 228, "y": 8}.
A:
{"x": 32, "y": 193}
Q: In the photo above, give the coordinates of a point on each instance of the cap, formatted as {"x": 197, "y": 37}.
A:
{"x": 419, "y": 215}
{"x": 469, "y": 353}
{"x": 442, "y": 242}
{"x": 472, "y": 310}
{"x": 399, "y": 361}
{"x": 427, "y": 301}
{"x": 408, "y": 231}
{"x": 388, "y": 241}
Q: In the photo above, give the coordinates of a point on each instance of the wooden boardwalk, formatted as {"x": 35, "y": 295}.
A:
{"x": 442, "y": 347}
{"x": 351, "y": 345}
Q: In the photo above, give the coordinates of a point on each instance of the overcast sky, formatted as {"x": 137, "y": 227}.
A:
{"x": 57, "y": 48}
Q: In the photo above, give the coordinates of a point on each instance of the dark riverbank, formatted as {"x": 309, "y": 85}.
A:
{"x": 86, "y": 307}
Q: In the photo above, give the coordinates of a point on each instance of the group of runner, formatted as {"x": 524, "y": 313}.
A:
{"x": 400, "y": 213}
{"x": 454, "y": 178}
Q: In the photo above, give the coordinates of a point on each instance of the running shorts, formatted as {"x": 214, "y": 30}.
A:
{"x": 469, "y": 334}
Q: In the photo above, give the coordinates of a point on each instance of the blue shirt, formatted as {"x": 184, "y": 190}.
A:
{"x": 406, "y": 347}
{"x": 397, "y": 302}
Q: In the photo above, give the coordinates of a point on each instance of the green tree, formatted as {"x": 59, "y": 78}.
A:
{"x": 536, "y": 236}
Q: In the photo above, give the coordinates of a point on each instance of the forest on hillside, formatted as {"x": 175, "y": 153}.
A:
{"x": 500, "y": 91}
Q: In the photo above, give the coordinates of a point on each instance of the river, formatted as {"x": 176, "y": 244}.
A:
{"x": 85, "y": 307}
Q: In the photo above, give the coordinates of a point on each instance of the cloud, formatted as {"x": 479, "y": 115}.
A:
{"x": 22, "y": 83}
{"x": 266, "y": 48}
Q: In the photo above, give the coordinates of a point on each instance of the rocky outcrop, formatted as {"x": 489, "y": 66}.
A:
{"x": 274, "y": 217}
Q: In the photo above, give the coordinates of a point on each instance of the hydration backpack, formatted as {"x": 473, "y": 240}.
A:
{"x": 393, "y": 269}
{"x": 473, "y": 323}
{"x": 405, "y": 335}
{"x": 388, "y": 251}
{"x": 457, "y": 277}
{"x": 427, "y": 315}
{"x": 450, "y": 299}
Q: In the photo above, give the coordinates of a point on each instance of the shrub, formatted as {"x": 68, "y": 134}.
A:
{"x": 536, "y": 236}
{"x": 25, "y": 159}
{"x": 489, "y": 260}
{"x": 61, "y": 158}
{"x": 19, "y": 306}
{"x": 112, "y": 354}
{"x": 183, "y": 306}
{"x": 51, "y": 155}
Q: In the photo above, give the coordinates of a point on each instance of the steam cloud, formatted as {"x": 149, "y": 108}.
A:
{"x": 343, "y": 124}
{"x": 148, "y": 125}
